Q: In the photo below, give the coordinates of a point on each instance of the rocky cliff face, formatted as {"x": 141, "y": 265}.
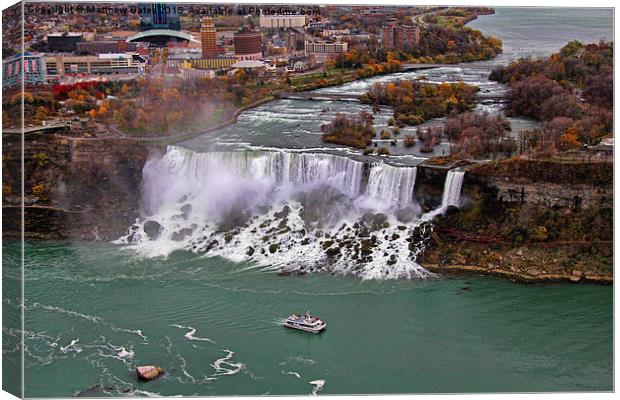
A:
{"x": 527, "y": 228}
{"x": 546, "y": 194}
{"x": 74, "y": 187}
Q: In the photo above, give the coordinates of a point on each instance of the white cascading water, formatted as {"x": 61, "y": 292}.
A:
{"x": 452, "y": 189}
{"x": 288, "y": 211}
{"x": 388, "y": 185}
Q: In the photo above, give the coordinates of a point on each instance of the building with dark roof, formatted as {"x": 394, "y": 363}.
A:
{"x": 104, "y": 46}
{"x": 248, "y": 44}
{"x": 65, "y": 42}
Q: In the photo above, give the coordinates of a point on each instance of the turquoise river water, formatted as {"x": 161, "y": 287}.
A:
{"x": 94, "y": 311}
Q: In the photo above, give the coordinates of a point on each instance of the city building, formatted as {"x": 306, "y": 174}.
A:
{"x": 321, "y": 51}
{"x": 59, "y": 66}
{"x": 118, "y": 35}
{"x": 65, "y": 42}
{"x": 282, "y": 21}
{"x": 295, "y": 42}
{"x": 105, "y": 46}
{"x": 248, "y": 44}
{"x": 187, "y": 71}
{"x": 159, "y": 16}
{"x": 33, "y": 71}
{"x": 160, "y": 25}
{"x": 320, "y": 25}
{"x": 194, "y": 61}
{"x": 208, "y": 39}
{"x": 335, "y": 32}
{"x": 398, "y": 36}
{"x": 298, "y": 64}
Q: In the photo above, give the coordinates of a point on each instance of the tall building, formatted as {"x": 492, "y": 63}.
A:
{"x": 30, "y": 66}
{"x": 295, "y": 42}
{"x": 398, "y": 36}
{"x": 248, "y": 44}
{"x": 208, "y": 38}
{"x": 159, "y": 16}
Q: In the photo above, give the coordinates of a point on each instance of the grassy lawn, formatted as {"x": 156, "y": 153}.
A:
{"x": 299, "y": 80}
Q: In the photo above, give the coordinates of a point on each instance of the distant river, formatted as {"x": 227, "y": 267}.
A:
{"x": 525, "y": 32}
{"x": 96, "y": 310}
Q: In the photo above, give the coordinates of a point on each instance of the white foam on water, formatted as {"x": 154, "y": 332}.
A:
{"x": 144, "y": 393}
{"x": 224, "y": 365}
{"x": 298, "y": 359}
{"x": 124, "y": 353}
{"x": 295, "y": 374}
{"x": 134, "y": 331}
{"x": 190, "y": 335}
{"x": 71, "y": 347}
{"x": 61, "y": 310}
{"x": 318, "y": 386}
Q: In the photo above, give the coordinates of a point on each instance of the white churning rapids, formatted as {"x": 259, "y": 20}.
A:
{"x": 287, "y": 211}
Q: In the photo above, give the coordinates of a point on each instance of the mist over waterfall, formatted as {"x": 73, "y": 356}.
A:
{"x": 290, "y": 211}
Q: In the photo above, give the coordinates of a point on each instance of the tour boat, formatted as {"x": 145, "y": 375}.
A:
{"x": 305, "y": 322}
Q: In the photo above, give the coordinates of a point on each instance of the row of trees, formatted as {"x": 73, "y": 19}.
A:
{"x": 415, "y": 102}
{"x": 157, "y": 106}
{"x": 441, "y": 44}
{"x": 570, "y": 92}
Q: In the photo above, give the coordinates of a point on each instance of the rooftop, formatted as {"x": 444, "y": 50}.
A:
{"x": 161, "y": 32}
{"x": 66, "y": 34}
{"x": 249, "y": 64}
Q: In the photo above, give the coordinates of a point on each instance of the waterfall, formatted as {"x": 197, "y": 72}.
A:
{"x": 451, "y": 194}
{"x": 452, "y": 189}
{"x": 386, "y": 185}
{"x": 283, "y": 210}
{"x": 391, "y": 185}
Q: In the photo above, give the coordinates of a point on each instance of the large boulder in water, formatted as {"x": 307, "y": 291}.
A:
{"x": 374, "y": 222}
{"x": 149, "y": 372}
{"x": 152, "y": 229}
{"x": 283, "y": 213}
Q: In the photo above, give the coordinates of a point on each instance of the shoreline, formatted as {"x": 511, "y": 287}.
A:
{"x": 342, "y": 80}
{"x": 515, "y": 276}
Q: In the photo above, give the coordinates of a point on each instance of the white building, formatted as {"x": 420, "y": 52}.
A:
{"x": 321, "y": 51}
{"x": 58, "y": 66}
{"x": 282, "y": 21}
